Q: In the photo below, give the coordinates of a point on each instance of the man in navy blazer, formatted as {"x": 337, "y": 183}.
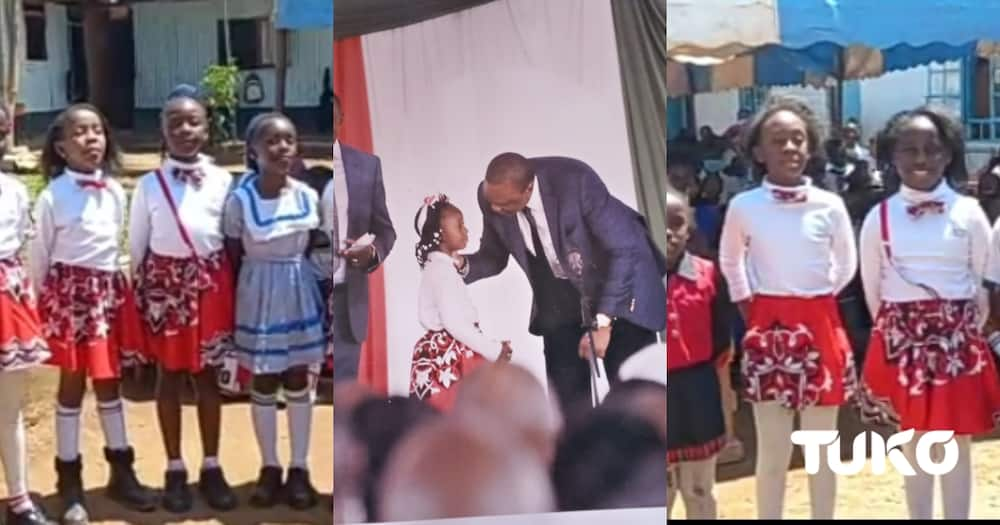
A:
{"x": 576, "y": 243}
{"x": 359, "y": 196}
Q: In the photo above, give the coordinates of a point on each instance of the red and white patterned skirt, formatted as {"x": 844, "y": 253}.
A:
{"x": 439, "y": 362}
{"x": 187, "y": 306}
{"x": 21, "y": 341}
{"x": 90, "y": 321}
{"x": 796, "y": 351}
{"x": 928, "y": 367}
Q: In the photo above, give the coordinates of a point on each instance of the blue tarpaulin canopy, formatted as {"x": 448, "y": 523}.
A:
{"x": 304, "y": 14}
{"x": 815, "y": 41}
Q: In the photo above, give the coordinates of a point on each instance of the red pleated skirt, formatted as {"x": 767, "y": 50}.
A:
{"x": 21, "y": 342}
{"x": 439, "y": 363}
{"x": 796, "y": 352}
{"x": 90, "y": 321}
{"x": 928, "y": 367}
{"x": 187, "y": 306}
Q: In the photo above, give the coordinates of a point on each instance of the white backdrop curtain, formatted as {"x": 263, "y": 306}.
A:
{"x": 448, "y": 94}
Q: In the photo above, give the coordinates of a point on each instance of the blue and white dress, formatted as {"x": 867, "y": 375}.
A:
{"x": 279, "y": 314}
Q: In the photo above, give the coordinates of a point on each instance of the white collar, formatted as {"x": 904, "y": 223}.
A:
{"x": 940, "y": 193}
{"x": 337, "y": 153}
{"x": 170, "y": 164}
{"x": 440, "y": 256}
{"x": 535, "y": 201}
{"x": 806, "y": 184}
{"x": 84, "y": 177}
{"x": 686, "y": 268}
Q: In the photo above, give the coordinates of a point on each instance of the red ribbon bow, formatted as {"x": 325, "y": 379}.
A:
{"x": 94, "y": 184}
{"x": 788, "y": 195}
{"x": 916, "y": 211}
{"x": 189, "y": 176}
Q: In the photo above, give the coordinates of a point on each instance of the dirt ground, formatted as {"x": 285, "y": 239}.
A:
{"x": 239, "y": 458}
{"x": 864, "y": 495}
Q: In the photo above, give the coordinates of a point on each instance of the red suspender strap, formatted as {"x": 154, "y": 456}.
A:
{"x": 173, "y": 209}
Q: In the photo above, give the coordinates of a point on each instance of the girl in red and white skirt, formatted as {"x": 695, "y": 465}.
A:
{"x": 86, "y": 306}
{"x": 454, "y": 345}
{"x": 21, "y": 343}
{"x": 698, "y": 341}
{"x": 787, "y": 249}
{"x": 924, "y": 253}
{"x": 185, "y": 291}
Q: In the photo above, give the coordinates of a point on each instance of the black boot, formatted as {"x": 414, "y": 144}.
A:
{"x": 299, "y": 490}
{"x": 69, "y": 485}
{"x": 176, "y": 493}
{"x": 123, "y": 485}
{"x": 216, "y": 490}
{"x": 32, "y": 516}
{"x": 268, "y": 488}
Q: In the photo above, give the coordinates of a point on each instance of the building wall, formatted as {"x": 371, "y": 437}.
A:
{"x": 175, "y": 42}
{"x": 889, "y": 94}
{"x": 43, "y": 84}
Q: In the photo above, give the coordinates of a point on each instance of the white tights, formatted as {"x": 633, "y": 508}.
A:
{"x": 696, "y": 482}
{"x": 774, "y": 451}
{"x": 12, "y": 443}
{"x": 956, "y": 486}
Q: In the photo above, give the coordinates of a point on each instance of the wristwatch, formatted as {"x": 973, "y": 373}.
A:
{"x": 603, "y": 321}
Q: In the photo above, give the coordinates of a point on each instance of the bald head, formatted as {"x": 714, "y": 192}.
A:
{"x": 510, "y": 398}
{"x": 448, "y": 469}
{"x": 509, "y": 183}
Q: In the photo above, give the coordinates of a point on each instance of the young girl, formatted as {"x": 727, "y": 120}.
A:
{"x": 698, "y": 338}
{"x": 453, "y": 344}
{"x": 924, "y": 253}
{"x": 185, "y": 291}
{"x": 86, "y": 304}
{"x": 21, "y": 343}
{"x": 787, "y": 249}
{"x": 279, "y": 326}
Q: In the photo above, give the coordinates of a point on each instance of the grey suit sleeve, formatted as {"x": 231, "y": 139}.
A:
{"x": 612, "y": 225}
{"x": 385, "y": 234}
{"x": 491, "y": 259}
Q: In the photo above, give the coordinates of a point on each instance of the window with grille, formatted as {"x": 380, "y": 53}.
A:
{"x": 34, "y": 28}
{"x": 252, "y": 42}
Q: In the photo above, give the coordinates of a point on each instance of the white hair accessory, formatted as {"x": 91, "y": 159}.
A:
{"x": 429, "y": 202}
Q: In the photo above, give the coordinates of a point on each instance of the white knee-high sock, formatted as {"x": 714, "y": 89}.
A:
{"x": 299, "y": 405}
{"x": 697, "y": 485}
{"x": 774, "y": 425}
{"x": 68, "y": 433}
{"x": 823, "y": 484}
{"x": 919, "y": 487}
{"x": 12, "y": 446}
{"x": 113, "y": 423}
{"x": 956, "y": 486}
{"x": 264, "y": 412}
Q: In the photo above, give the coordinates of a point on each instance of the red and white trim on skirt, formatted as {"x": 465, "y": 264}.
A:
{"x": 928, "y": 367}
{"x": 90, "y": 321}
{"x": 796, "y": 352}
{"x": 187, "y": 306}
{"x": 697, "y": 452}
{"x": 439, "y": 362}
{"x": 21, "y": 341}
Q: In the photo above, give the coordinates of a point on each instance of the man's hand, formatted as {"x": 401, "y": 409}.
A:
{"x": 358, "y": 259}
{"x": 602, "y": 336}
{"x": 459, "y": 261}
{"x": 505, "y": 352}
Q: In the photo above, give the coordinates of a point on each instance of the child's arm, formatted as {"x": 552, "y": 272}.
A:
{"x": 845, "y": 252}
{"x": 992, "y": 275}
{"x": 232, "y": 228}
{"x": 41, "y": 246}
{"x": 456, "y": 309}
{"x": 139, "y": 228}
{"x": 871, "y": 260}
{"x": 979, "y": 239}
{"x": 733, "y": 258}
{"x": 722, "y": 328}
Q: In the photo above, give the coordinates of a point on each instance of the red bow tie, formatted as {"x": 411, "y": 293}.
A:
{"x": 789, "y": 195}
{"x": 190, "y": 176}
{"x": 916, "y": 211}
{"x": 92, "y": 184}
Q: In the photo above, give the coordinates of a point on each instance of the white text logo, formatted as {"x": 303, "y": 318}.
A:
{"x": 812, "y": 441}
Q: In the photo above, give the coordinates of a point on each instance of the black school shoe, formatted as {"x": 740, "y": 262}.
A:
{"x": 216, "y": 490}
{"x": 176, "y": 493}
{"x": 299, "y": 491}
{"x": 69, "y": 485}
{"x": 268, "y": 490}
{"x": 123, "y": 485}
{"x": 32, "y": 516}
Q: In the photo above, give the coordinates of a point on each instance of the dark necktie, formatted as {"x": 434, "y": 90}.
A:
{"x": 535, "y": 238}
